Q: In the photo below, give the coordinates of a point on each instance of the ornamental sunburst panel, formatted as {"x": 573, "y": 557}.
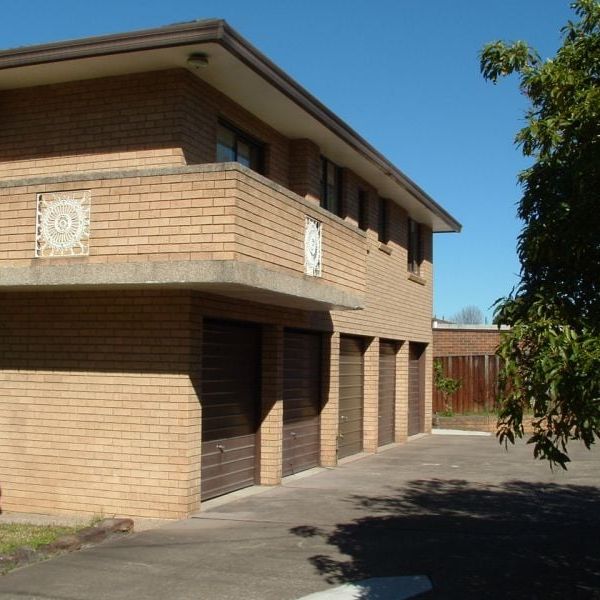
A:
{"x": 63, "y": 224}
{"x": 312, "y": 247}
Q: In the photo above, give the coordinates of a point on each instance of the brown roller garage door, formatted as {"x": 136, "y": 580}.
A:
{"x": 416, "y": 398}
{"x": 230, "y": 400}
{"x": 351, "y": 397}
{"x": 301, "y": 401}
{"x": 387, "y": 392}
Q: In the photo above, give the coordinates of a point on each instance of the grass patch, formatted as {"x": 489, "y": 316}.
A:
{"x": 469, "y": 413}
{"x": 15, "y": 535}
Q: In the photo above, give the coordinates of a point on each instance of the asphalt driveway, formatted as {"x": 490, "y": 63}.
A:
{"x": 475, "y": 521}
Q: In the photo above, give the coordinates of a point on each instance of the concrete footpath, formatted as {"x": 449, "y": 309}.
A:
{"x": 455, "y": 515}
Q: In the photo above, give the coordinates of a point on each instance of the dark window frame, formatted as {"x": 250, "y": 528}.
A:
{"x": 414, "y": 246}
{"x": 326, "y": 200}
{"x": 241, "y": 136}
{"x": 363, "y": 210}
{"x": 383, "y": 221}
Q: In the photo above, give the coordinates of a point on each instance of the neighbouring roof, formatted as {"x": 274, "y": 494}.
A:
{"x": 446, "y": 325}
{"x": 240, "y": 71}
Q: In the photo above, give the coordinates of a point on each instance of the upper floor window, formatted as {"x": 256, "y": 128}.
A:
{"x": 234, "y": 145}
{"x": 331, "y": 186}
{"x": 363, "y": 210}
{"x": 415, "y": 246}
{"x": 383, "y": 229}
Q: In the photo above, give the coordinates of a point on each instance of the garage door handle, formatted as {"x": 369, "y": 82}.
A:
{"x": 221, "y": 447}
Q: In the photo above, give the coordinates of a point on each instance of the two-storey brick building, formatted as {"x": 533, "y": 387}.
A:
{"x": 207, "y": 279}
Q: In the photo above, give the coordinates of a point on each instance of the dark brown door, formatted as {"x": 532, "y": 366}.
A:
{"x": 387, "y": 393}
{"x": 301, "y": 401}
{"x": 230, "y": 400}
{"x": 416, "y": 397}
{"x": 350, "y": 433}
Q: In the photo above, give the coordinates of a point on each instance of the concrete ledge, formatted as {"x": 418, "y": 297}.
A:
{"x": 244, "y": 280}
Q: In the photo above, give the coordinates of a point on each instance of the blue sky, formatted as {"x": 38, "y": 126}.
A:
{"x": 404, "y": 74}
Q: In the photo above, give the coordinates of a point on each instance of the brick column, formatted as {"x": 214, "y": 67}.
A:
{"x": 427, "y": 359}
{"x": 305, "y": 169}
{"x": 331, "y": 399}
{"x": 371, "y": 396}
{"x": 271, "y": 426}
{"x": 402, "y": 393}
{"x": 193, "y": 436}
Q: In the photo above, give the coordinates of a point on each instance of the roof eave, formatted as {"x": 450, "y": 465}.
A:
{"x": 218, "y": 31}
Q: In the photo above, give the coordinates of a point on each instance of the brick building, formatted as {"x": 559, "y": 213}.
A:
{"x": 207, "y": 279}
{"x": 451, "y": 339}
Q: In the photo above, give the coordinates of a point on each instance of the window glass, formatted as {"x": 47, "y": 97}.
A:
{"x": 414, "y": 247}
{"x": 363, "y": 210}
{"x": 256, "y": 162}
{"x": 383, "y": 229}
{"x": 330, "y": 186}
{"x": 225, "y": 145}
{"x": 243, "y": 153}
{"x": 234, "y": 146}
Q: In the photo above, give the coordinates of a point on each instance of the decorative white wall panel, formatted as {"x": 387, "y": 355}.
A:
{"x": 63, "y": 224}
{"x": 312, "y": 247}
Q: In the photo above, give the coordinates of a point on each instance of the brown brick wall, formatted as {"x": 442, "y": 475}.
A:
{"x": 465, "y": 342}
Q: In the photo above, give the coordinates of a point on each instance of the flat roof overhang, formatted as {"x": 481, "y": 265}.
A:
{"x": 236, "y": 279}
{"x": 241, "y": 72}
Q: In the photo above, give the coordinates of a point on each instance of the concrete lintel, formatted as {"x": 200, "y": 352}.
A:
{"x": 244, "y": 280}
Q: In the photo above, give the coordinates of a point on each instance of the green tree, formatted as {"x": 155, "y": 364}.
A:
{"x": 552, "y": 355}
{"x": 447, "y": 386}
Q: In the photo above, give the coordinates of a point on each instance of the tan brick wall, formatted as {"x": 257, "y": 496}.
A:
{"x": 271, "y": 423}
{"x": 402, "y": 393}
{"x": 428, "y": 366}
{"x": 98, "y": 413}
{"x": 108, "y": 123}
{"x": 396, "y": 307}
{"x": 115, "y": 375}
{"x": 203, "y": 106}
{"x": 331, "y": 399}
{"x": 228, "y": 213}
{"x": 305, "y": 169}
{"x": 465, "y": 342}
{"x": 146, "y": 119}
{"x": 371, "y": 396}
{"x": 270, "y": 228}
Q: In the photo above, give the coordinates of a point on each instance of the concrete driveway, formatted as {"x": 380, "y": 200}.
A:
{"x": 473, "y": 520}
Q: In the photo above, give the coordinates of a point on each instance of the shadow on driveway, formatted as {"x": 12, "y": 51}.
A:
{"x": 517, "y": 540}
